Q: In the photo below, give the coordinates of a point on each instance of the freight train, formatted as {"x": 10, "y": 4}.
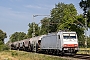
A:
{"x": 61, "y": 42}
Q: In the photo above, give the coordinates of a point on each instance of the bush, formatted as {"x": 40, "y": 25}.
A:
{"x": 3, "y": 47}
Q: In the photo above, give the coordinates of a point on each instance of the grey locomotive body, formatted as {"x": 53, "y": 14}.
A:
{"x": 60, "y": 43}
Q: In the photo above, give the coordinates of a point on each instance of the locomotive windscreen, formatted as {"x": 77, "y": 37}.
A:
{"x": 69, "y": 36}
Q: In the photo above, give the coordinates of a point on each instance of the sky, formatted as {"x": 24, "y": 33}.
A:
{"x": 15, "y": 15}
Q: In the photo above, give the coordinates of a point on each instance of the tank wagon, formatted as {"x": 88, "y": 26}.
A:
{"x": 60, "y": 43}
{"x": 30, "y": 44}
{"x": 54, "y": 43}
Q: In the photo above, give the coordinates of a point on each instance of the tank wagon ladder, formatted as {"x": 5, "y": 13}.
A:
{"x": 34, "y": 46}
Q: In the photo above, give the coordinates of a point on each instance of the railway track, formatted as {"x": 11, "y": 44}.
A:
{"x": 69, "y": 57}
{"x": 82, "y": 56}
{"x": 78, "y": 57}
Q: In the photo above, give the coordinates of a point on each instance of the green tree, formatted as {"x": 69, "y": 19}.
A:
{"x": 30, "y": 30}
{"x": 87, "y": 2}
{"x": 45, "y": 26}
{"x": 18, "y": 36}
{"x": 2, "y": 36}
{"x": 3, "y": 47}
{"x": 88, "y": 42}
{"x": 1, "y": 43}
{"x": 88, "y": 16}
{"x": 85, "y": 5}
{"x": 81, "y": 41}
{"x": 64, "y": 15}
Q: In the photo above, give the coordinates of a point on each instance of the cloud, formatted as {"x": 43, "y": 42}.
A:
{"x": 37, "y": 7}
{"x": 15, "y": 0}
{"x": 32, "y": 6}
{"x": 49, "y": 6}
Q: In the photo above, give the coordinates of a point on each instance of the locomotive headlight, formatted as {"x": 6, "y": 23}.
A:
{"x": 76, "y": 45}
{"x": 65, "y": 45}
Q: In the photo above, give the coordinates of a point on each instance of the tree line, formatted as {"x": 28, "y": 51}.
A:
{"x": 2, "y": 37}
{"x": 62, "y": 17}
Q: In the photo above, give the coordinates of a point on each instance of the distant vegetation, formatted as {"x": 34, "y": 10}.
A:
{"x": 2, "y": 37}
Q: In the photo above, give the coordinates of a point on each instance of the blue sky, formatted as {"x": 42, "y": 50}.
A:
{"x": 15, "y": 15}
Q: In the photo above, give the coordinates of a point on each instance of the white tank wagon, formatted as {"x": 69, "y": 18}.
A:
{"x": 24, "y": 44}
{"x": 36, "y": 42}
{"x": 30, "y": 44}
{"x": 60, "y": 43}
{"x": 15, "y": 45}
{"x": 21, "y": 45}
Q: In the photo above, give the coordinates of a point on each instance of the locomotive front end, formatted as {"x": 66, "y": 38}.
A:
{"x": 70, "y": 42}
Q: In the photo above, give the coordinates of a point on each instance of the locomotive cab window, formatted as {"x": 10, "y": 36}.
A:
{"x": 73, "y": 37}
{"x": 66, "y": 37}
{"x": 69, "y": 36}
{"x": 58, "y": 36}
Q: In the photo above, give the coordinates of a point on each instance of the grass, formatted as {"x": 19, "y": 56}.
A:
{"x": 84, "y": 48}
{"x": 84, "y": 51}
{"x": 20, "y": 55}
